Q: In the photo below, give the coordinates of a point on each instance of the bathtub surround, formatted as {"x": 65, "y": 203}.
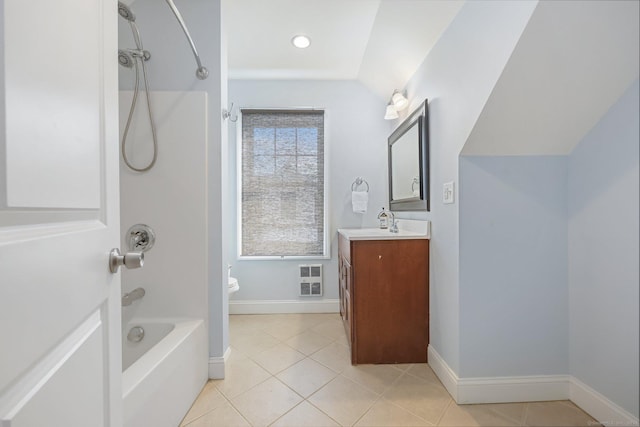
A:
{"x": 171, "y": 198}
{"x": 171, "y": 69}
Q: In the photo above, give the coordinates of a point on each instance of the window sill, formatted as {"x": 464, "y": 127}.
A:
{"x": 284, "y": 258}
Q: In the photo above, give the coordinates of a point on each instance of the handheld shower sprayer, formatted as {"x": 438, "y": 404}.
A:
{"x": 136, "y": 58}
{"x": 126, "y": 12}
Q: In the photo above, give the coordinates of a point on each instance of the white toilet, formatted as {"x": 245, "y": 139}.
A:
{"x": 233, "y": 285}
{"x": 233, "y": 282}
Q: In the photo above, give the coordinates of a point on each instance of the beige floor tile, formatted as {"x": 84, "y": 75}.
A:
{"x": 342, "y": 339}
{"x": 223, "y": 416}
{"x": 305, "y": 415}
{"x": 306, "y": 376}
{"x": 268, "y": 320}
{"x": 402, "y": 366}
{"x": 424, "y": 371}
{"x": 253, "y": 342}
{"x": 235, "y": 355}
{"x": 240, "y": 375}
{"x": 343, "y": 400}
{"x": 256, "y": 321}
{"x": 492, "y": 415}
{"x": 333, "y": 329}
{"x": 335, "y": 356}
{"x": 285, "y": 330}
{"x": 377, "y": 378}
{"x": 208, "y": 399}
{"x": 422, "y": 398}
{"x": 324, "y": 317}
{"x": 308, "y": 342}
{"x": 278, "y": 358}
{"x": 560, "y": 413}
{"x": 266, "y": 402}
{"x": 240, "y": 323}
{"x": 237, "y": 328}
{"x": 385, "y": 413}
{"x": 413, "y": 396}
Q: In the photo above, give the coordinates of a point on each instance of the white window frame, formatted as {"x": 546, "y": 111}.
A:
{"x": 326, "y": 246}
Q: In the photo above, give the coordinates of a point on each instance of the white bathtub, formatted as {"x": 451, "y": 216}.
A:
{"x": 164, "y": 372}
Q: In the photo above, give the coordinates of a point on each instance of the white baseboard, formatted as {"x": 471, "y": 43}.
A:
{"x": 534, "y": 388}
{"x": 529, "y": 389}
{"x": 447, "y": 377}
{"x": 598, "y": 406}
{"x": 284, "y": 306}
{"x": 216, "y": 365}
{"x": 498, "y": 389}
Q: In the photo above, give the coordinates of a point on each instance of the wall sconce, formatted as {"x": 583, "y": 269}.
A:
{"x": 397, "y": 103}
{"x": 391, "y": 112}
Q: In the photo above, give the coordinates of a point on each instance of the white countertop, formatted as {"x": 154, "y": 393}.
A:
{"x": 407, "y": 229}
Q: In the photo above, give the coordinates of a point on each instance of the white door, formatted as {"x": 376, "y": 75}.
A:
{"x": 59, "y": 304}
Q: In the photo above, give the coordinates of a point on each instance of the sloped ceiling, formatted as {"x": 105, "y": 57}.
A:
{"x": 572, "y": 62}
{"x": 379, "y": 42}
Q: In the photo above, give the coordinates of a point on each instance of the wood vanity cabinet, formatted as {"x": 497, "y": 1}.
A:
{"x": 384, "y": 299}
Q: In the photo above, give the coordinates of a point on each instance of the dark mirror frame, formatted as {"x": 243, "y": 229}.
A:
{"x": 421, "y": 203}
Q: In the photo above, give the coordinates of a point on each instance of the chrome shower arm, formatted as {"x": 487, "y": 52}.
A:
{"x": 201, "y": 72}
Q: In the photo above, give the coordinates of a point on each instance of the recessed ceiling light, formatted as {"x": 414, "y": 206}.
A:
{"x": 301, "y": 42}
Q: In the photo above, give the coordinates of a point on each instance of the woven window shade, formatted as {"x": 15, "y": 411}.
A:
{"x": 282, "y": 183}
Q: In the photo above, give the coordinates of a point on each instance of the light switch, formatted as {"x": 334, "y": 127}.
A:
{"x": 448, "y": 192}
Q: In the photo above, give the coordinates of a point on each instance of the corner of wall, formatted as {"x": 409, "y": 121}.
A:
{"x": 217, "y": 365}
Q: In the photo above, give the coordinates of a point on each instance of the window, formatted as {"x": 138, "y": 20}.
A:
{"x": 282, "y": 184}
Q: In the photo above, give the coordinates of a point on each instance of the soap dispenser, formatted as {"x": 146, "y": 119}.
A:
{"x": 383, "y": 217}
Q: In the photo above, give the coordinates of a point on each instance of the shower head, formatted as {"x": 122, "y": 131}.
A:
{"x": 126, "y": 12}
{"x": 125, "y": 59}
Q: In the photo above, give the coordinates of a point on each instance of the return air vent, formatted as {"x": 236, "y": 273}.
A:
{"x": 310, "y": 280}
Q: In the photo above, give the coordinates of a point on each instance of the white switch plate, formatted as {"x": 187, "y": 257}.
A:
{"x": 448, "y": 192}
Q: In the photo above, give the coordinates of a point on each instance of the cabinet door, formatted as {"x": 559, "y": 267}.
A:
{"x": 390, "y": 301}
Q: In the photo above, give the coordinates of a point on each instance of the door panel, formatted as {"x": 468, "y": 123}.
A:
{"x": 44, "y": 392}
{"x": 60, "y": 361}
{"x": 47, "y": 78}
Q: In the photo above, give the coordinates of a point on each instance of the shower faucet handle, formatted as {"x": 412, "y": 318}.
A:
{"x": 130, "y": 260}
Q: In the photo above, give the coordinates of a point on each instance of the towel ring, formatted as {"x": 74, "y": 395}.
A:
{"x": 358, "y": 182}
{"x": 413, "y": 184}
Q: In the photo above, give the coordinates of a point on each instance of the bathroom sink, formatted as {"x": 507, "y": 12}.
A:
{"x": 407, "y": 229}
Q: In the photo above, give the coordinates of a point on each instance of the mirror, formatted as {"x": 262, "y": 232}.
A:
{"x": 409, "y": 163}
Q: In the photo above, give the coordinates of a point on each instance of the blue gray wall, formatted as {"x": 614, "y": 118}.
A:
{"x": 457, "y": 77}
{"x": 603, "y": 254}
{"x": 513, "y": 266}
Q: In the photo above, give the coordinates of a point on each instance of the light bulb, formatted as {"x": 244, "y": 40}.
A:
{"x": 301, "y": 42}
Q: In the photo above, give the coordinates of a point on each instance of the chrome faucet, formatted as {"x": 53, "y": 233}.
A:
{"x": 130, "y": 297}
{"x": 393, "y": 226}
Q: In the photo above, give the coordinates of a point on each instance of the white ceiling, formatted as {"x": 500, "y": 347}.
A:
{"x": 379, "y": 42}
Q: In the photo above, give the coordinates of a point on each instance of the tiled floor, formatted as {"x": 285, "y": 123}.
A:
{"x": 294, "y": 370}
